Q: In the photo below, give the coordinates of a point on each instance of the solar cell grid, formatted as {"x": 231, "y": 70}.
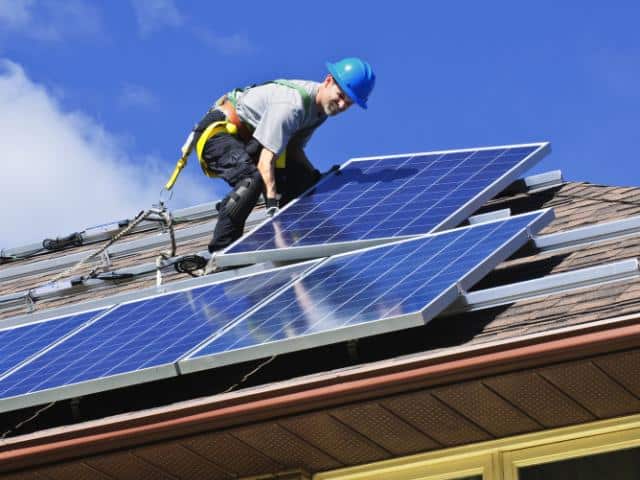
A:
{"x": 18, "y": 344}
{"x": 380, "y": 289}
{"x": 145, "y": 335}
{"x": 386, "y": 198}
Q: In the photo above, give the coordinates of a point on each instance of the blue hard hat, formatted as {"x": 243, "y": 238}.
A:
{"x": 355, "y": 77}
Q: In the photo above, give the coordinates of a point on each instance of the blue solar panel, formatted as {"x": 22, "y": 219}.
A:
{"x": 145, "y": 334}
{"x": 387, "y": 198}
{"x": 19, "y": 343}
{"x": 363, "y": 293}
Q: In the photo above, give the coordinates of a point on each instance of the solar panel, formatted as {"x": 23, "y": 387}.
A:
{"x": 381, "y": 199}
{"x": 381, "y": 289}
{"x": 20, "y": 343}
{"x": 138, "y": 341}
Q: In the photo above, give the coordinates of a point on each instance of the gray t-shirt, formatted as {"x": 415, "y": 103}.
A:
{"x": 277, "y": 113}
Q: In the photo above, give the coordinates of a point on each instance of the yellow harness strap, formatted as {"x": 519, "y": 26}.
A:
{"x": 220, "y": 127}
{"x": 281, "y": 161}
{"x": 176, "y": 171}
{"x": 182, "y": 162}
{"x": 215, "y": 128}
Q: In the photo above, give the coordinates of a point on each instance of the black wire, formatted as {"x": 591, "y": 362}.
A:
{"x": 73, "y": 240}
{"x": 189, "y": 264}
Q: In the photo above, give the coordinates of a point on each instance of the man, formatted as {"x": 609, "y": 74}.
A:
{"x": 262, "y": 150}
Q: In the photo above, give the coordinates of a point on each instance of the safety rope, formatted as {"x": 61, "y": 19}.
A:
{"x": 164, "y": 259}
{"x": 168, "y": 221}
{"x": 160, "y": 211}
{"x": 190, "y": 264}
{"x": 31, "y": 301}
{"x": 164, "y": 256}
{"x": 140, "y": 217}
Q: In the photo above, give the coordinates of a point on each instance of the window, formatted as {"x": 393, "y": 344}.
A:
{"x": 621, "y": 465}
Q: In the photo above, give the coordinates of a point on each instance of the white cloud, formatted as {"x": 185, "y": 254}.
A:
{"x": 137, "y": 96}
{"x": 235, "y": 44}
{"x": 49, "y": 20}
{"x": 63, "y": 172}
{"x": 15, "y": 13}
{"x": 153, "y": 15}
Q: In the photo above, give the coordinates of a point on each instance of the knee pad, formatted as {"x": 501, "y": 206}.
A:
{"x": 243, "y": 198}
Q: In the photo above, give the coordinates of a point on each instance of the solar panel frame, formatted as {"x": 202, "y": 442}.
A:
{"x": 193, "y": 363}
{"x": 86, "y": 388}
{"x": 292, "y": 253}
{"x": 130, "y": 378}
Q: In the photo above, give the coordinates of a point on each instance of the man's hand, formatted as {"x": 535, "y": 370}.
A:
{"x": 271, "y": 206}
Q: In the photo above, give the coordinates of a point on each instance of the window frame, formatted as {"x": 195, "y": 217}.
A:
{"x": 596, "y": 443}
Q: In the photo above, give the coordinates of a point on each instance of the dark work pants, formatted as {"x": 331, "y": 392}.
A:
{"x": 226, "y": 155}
{"x": 233, "y": 161}
{"x": 297, "y": 177}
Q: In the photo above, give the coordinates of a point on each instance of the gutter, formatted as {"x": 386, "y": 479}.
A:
{"x": 319, "y": 391}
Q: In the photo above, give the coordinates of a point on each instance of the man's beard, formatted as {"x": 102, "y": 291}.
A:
{"x": 331, "y": 109}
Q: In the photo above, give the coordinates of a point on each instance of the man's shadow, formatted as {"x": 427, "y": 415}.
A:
{"x": 356, "y": 175}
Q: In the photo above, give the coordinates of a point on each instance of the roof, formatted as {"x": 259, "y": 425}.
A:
{"x": 469, "y": 375}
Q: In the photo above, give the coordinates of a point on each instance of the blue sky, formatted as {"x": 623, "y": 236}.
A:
{"x": 97, "y": 97}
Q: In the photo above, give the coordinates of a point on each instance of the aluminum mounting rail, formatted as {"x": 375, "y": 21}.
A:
{"x": 117, "y": 250}
{"x": 106, "y": 231}
{"x": 576, "y": 237}
{"x": 622, "y": 270}
{"x": 591, "y": 234}
{"x": 118, "y": 298}
{"x": 535, "y": 183}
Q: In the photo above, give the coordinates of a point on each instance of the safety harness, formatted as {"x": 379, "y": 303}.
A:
{"x": 232, "y": 125}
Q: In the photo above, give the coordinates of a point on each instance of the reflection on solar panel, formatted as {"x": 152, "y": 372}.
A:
{"x": 139, "y": 341}
{"x": 379, "y": 199}
{"x": 20, "y": 343}
{"x": 378, "y": 290}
